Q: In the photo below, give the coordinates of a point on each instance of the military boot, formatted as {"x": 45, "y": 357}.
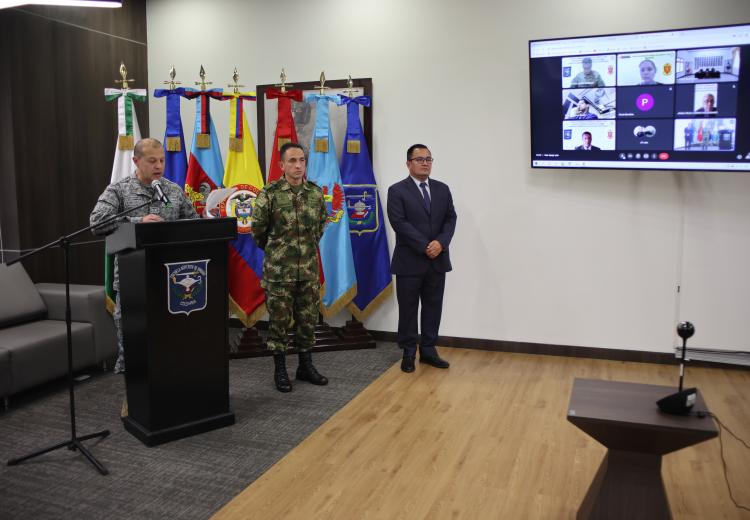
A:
{"x": 280, "y": 376}
{"x": 306, "y": 371}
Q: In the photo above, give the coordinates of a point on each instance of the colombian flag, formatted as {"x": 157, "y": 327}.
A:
{"x": 243, "y": 175}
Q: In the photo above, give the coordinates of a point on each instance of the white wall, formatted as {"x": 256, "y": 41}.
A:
{"x": 563, "y": 257}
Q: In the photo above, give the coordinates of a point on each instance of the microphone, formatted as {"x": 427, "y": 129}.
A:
{"x": 159, "y": 192}
{"x": 681, "y": 402}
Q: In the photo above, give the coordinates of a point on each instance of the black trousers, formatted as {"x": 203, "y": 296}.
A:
{"x": 410, "y": 291}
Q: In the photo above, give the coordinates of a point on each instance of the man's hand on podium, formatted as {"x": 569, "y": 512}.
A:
{"x": 152, "y": 218}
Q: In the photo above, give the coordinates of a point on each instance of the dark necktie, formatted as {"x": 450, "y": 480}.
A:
{"x": 425, "y": 196}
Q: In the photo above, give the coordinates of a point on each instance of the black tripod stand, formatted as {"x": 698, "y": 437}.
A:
{"x": 74, "y": 443}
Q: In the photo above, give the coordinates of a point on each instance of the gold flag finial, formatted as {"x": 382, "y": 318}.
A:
{"x": 283, "y": 83}
{"x": 236, "y": 78}
{"x": 124, "y": 75}
{"x": 172, "y": 82}
{"x": 203, "y": 81}
{"x": 350, "y": 87}
{"x": 322, "y": 87}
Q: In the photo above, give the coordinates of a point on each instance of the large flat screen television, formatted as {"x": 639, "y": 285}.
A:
{"x": 668, "y": 100}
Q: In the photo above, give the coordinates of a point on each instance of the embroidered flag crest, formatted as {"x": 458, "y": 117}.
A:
{"x": 362, "y": 207}
{"x": 240, "y": 205}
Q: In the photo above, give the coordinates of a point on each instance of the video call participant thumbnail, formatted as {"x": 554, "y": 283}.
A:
{"x": 592, "y": 135}
{"x": 708, "y": 65}
{"x": 705, "y": 135}
{"x": 644, "y": 134}
{"x": 589, "y": 103}
{"x": 707, "y": 100}
{"x": 646, "y": 68}
{"x": 588, "y": 71}
{"x": 647, "y": 101}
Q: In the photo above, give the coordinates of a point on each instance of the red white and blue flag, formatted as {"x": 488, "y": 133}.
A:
{"x": 205, "y": 167}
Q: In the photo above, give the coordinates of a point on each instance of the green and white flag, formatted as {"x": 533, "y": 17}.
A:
{"x": 128, "y": 134}
{"x": 127, "y": 129}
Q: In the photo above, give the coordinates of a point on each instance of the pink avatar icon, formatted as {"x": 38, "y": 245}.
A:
{"x": 645, "y": 102}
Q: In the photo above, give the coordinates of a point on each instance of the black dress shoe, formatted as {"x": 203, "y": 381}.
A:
{"x": 436, "y": 361}
{"x": 407, "y": 364}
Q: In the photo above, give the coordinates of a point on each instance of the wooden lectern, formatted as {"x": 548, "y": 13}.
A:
{"x": 624, "y": 417}
{"x": 173, "y": 297}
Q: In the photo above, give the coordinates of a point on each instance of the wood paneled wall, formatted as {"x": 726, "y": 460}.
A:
{"x": 58, "y": 133}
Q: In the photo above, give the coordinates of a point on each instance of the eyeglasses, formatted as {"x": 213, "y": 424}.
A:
{"x": 422, "y": 160}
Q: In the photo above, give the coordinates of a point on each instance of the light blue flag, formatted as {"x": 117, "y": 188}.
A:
{"x": 335, "y": 246}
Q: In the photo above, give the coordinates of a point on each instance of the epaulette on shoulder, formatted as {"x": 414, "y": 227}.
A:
{"x": 314, "y": 186}
{"x": 124, "y": 180}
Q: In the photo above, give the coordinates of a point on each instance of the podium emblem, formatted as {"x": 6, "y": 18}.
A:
{"x": 187, "y": 286}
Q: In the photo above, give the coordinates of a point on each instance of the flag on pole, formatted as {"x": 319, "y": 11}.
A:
{"x": 335, "y": 246}
{"x": 243, "y": 175}
{"x": 205, "y": 167}
{"x": 128, "y": 134}
{"x": 127, "y": 129}
{"x": 175, "y": 164}
{"x": 285, "y": 131}
{"x": 366, "y": 230}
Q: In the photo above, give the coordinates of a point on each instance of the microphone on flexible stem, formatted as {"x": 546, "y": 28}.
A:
{"x": 685, "y": 330}
{"x": 681, "y": 402}
{"x": 160, "y": 192}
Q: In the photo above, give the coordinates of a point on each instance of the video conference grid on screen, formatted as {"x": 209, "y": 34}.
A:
{"x": 638, "y": 102}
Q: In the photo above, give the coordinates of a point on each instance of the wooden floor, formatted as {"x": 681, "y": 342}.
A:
{"x": 488, "y": 438}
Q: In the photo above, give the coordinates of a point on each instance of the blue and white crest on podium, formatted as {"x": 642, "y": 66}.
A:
{"x": 187, "y": 286}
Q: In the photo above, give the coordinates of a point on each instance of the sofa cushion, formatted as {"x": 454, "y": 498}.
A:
{"x": 19, "y": 300}
{"x": 86, "y": 305}
{"x": 38, "y": 351}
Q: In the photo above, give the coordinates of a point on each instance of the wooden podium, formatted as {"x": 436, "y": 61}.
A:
{"x": 173, "y": 297}
{"x": 624, "y": 418}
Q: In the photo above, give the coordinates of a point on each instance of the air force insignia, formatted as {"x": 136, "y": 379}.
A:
{"x": 334, "y": 202}
{"x": 187, "y": 286}
{"x": 362, "y": 207}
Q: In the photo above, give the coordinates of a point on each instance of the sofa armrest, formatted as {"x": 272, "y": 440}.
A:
{"x": 86, "y": 305}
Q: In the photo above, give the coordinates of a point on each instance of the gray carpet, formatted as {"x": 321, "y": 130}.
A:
{"x": 188, "y": 478}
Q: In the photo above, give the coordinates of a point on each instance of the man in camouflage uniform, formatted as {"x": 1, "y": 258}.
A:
{"x": 287, "y": 223}
{"x": 133, "y": 191}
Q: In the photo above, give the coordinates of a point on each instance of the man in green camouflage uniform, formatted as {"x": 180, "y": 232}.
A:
{"x": 287, "y": 223}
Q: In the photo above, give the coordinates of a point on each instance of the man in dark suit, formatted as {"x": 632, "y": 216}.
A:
{"x": 586, "y": 137}
{"x": 422, "y": 215}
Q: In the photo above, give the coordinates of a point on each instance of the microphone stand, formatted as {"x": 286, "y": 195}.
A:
{"x": 682, "y": 362}
{"x": 74, "y": 443}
